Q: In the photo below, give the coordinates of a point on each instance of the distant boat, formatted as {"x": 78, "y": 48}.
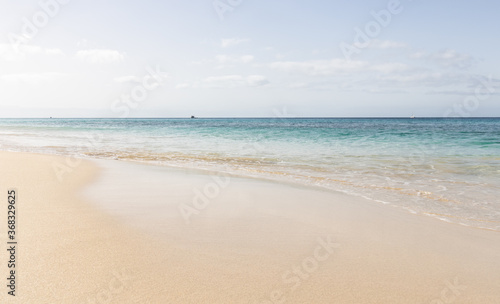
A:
{"x": 412, "y": 116}
{"x": 192, "y": 117}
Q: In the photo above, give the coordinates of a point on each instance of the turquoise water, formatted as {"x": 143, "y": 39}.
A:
{"x": 445, "y": 168}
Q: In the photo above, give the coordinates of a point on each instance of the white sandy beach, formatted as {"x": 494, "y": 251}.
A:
{"x": 113, "y": 232}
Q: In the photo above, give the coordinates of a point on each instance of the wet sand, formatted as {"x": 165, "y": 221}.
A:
{"x": 118, "y": 232}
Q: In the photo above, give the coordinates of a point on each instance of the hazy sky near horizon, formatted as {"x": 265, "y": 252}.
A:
{"x": 236, "y": 58}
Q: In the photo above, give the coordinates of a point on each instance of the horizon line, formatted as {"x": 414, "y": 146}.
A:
{"x": 260, "y": 117}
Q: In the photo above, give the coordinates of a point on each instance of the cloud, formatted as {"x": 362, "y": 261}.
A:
{"x": 319, "y": 67}
{"x": 125, "y": 79}
{"x": 21, "y": 49}
{"x": 197, "y": 62}
{"x": 387, "y": 68}
{"x": 319, "y": 84}
{"x": 100, "y": 56}
{"x": 365, "y": 76}
{"x": 418, "y": 55}
{"x": 477, "y": 85}
{"x": 228, "y": 81}
{"x": 381, "y": 44}
{"x": 233, "y": 81}
{"x": 83, "y": 43}
{"x": 451, "y": 58}
{"x": 425, "y": 79}
{"x": 9, "y": 53}
{"x": 232, "y": 42}
{"x": 447, "y": 59}
{"x": 389, "y": 82}
{"x": 31, "y": 78}
{"x": 182, "y": 86}
{"x": 225, "y": 59}
{"x": 56, "y": 52}
{"x": 257, "y": 80}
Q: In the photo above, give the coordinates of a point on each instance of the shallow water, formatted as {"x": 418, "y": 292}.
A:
{"x": 445, "y": 168}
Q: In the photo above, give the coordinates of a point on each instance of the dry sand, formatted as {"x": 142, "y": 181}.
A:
{"x": 113, "y": 232}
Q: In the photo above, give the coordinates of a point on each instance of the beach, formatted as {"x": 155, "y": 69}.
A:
{"x": 120, "y": 232}
{"x": 231, "y": 151}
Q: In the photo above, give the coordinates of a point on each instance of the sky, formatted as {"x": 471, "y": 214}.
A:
{"x": 249, "y": 58}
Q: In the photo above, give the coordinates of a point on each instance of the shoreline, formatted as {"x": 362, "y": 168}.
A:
{"x": 289, "y": 183}
{"x": 243, "y": 247}
{"x": 447, "y": 218}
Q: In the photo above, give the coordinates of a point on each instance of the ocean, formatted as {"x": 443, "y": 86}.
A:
{"x": 447, "y": 168}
